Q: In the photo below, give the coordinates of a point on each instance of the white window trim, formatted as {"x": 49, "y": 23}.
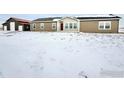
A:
{"x": 72, "y": 25}
{"x": 76, "y": 25}
{"x": 104, "y": 22}
{"x": 69, "y": 26}
{"x": 54, "y": 24}
{"x": 42, "y": 26}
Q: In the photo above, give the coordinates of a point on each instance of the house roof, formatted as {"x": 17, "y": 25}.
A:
{"x": 97, "y": 17}
{"x": 47, "y": 19}
{"x": 103, "y": 16}
{"x": 93, "y": 16}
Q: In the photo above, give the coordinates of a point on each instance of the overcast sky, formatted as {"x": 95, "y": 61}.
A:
{"x": 4, "y": 17}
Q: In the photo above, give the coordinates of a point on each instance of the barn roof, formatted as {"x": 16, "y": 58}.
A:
{"x": 20, "y": 20}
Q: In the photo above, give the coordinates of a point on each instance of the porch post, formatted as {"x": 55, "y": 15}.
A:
{"x": 58, "y": 26}
{"x": 78, "y": 25}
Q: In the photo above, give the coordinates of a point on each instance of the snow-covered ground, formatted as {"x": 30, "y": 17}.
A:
{"x": 52, "y": 54}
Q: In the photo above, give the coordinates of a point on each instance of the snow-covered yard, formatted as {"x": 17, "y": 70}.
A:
{"x": 52, "y": 54}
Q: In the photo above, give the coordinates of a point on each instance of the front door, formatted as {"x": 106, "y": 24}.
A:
{"x": 61, "y": 26}
{"x": 5, "y": 28}
{"x": 12, "y": 26}
{"x": 20, "y": 28}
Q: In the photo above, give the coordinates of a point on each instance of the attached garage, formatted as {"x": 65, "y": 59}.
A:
{"x": 16, "y": 24}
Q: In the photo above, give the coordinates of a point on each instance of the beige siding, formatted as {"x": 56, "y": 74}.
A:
{"x": 47, "y": 26}
{"x": 92, "y": 26}
{"x": 85, "y": 26}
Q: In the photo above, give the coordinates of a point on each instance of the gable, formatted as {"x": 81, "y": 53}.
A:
{"x": 10, "y": 20}
{"x": 17, "y": 20}
{"x": 69, "y": 19}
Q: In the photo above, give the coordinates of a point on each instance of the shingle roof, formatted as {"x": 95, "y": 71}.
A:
{"x": 93, "y": 16}
{"x": 47, "y": 19}
{"x": 96, "y": 17}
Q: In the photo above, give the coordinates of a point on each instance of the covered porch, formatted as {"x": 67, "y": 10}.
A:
{"x": 68, "y": 24}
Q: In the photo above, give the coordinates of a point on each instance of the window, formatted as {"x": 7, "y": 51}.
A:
{"x": 101, "y": 25}
{"x": 66, "y": 26}
{"x": 70, "y": 25}
{"x": 53, "y": 25}
{"x": 105, "y": 25}
{"x": 75, "y": 25}
{"x": 42, "y": 26}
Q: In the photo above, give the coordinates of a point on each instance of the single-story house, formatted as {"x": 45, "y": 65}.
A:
{"x": 96, "y": 23}
{"x": 16, "y": 24}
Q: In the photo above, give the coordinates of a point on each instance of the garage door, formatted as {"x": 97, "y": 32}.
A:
{"x": 5, "y": 28}
{"x": 20, "y": 28}
{"x": 12, "y": 26}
